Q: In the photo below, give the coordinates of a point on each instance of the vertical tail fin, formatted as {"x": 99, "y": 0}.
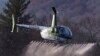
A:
{"x": 13, "y": 23}
{"x": 54, "y": 20}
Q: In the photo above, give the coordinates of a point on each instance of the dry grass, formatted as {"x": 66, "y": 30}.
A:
{"x": 38, "y": 48}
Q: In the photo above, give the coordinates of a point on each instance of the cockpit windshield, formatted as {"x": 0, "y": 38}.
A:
{"x": 62, "y": 31}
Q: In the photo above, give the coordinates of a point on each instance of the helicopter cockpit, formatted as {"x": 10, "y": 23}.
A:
{"x": 63, "y": 32}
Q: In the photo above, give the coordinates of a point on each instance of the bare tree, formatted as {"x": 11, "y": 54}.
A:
{"x": 90, "y": 26}
{"x": 78, "y": 35}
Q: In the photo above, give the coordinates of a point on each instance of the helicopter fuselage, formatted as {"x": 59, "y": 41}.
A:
{"x": 61, "y": 33}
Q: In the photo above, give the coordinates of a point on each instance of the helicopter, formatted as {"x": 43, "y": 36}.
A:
{"x": 54, "y": 32}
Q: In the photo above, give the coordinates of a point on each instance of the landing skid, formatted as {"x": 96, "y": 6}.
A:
{"x": 55, "y": 42}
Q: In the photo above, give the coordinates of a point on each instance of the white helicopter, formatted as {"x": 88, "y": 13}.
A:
{"x": 55, "y": 32}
